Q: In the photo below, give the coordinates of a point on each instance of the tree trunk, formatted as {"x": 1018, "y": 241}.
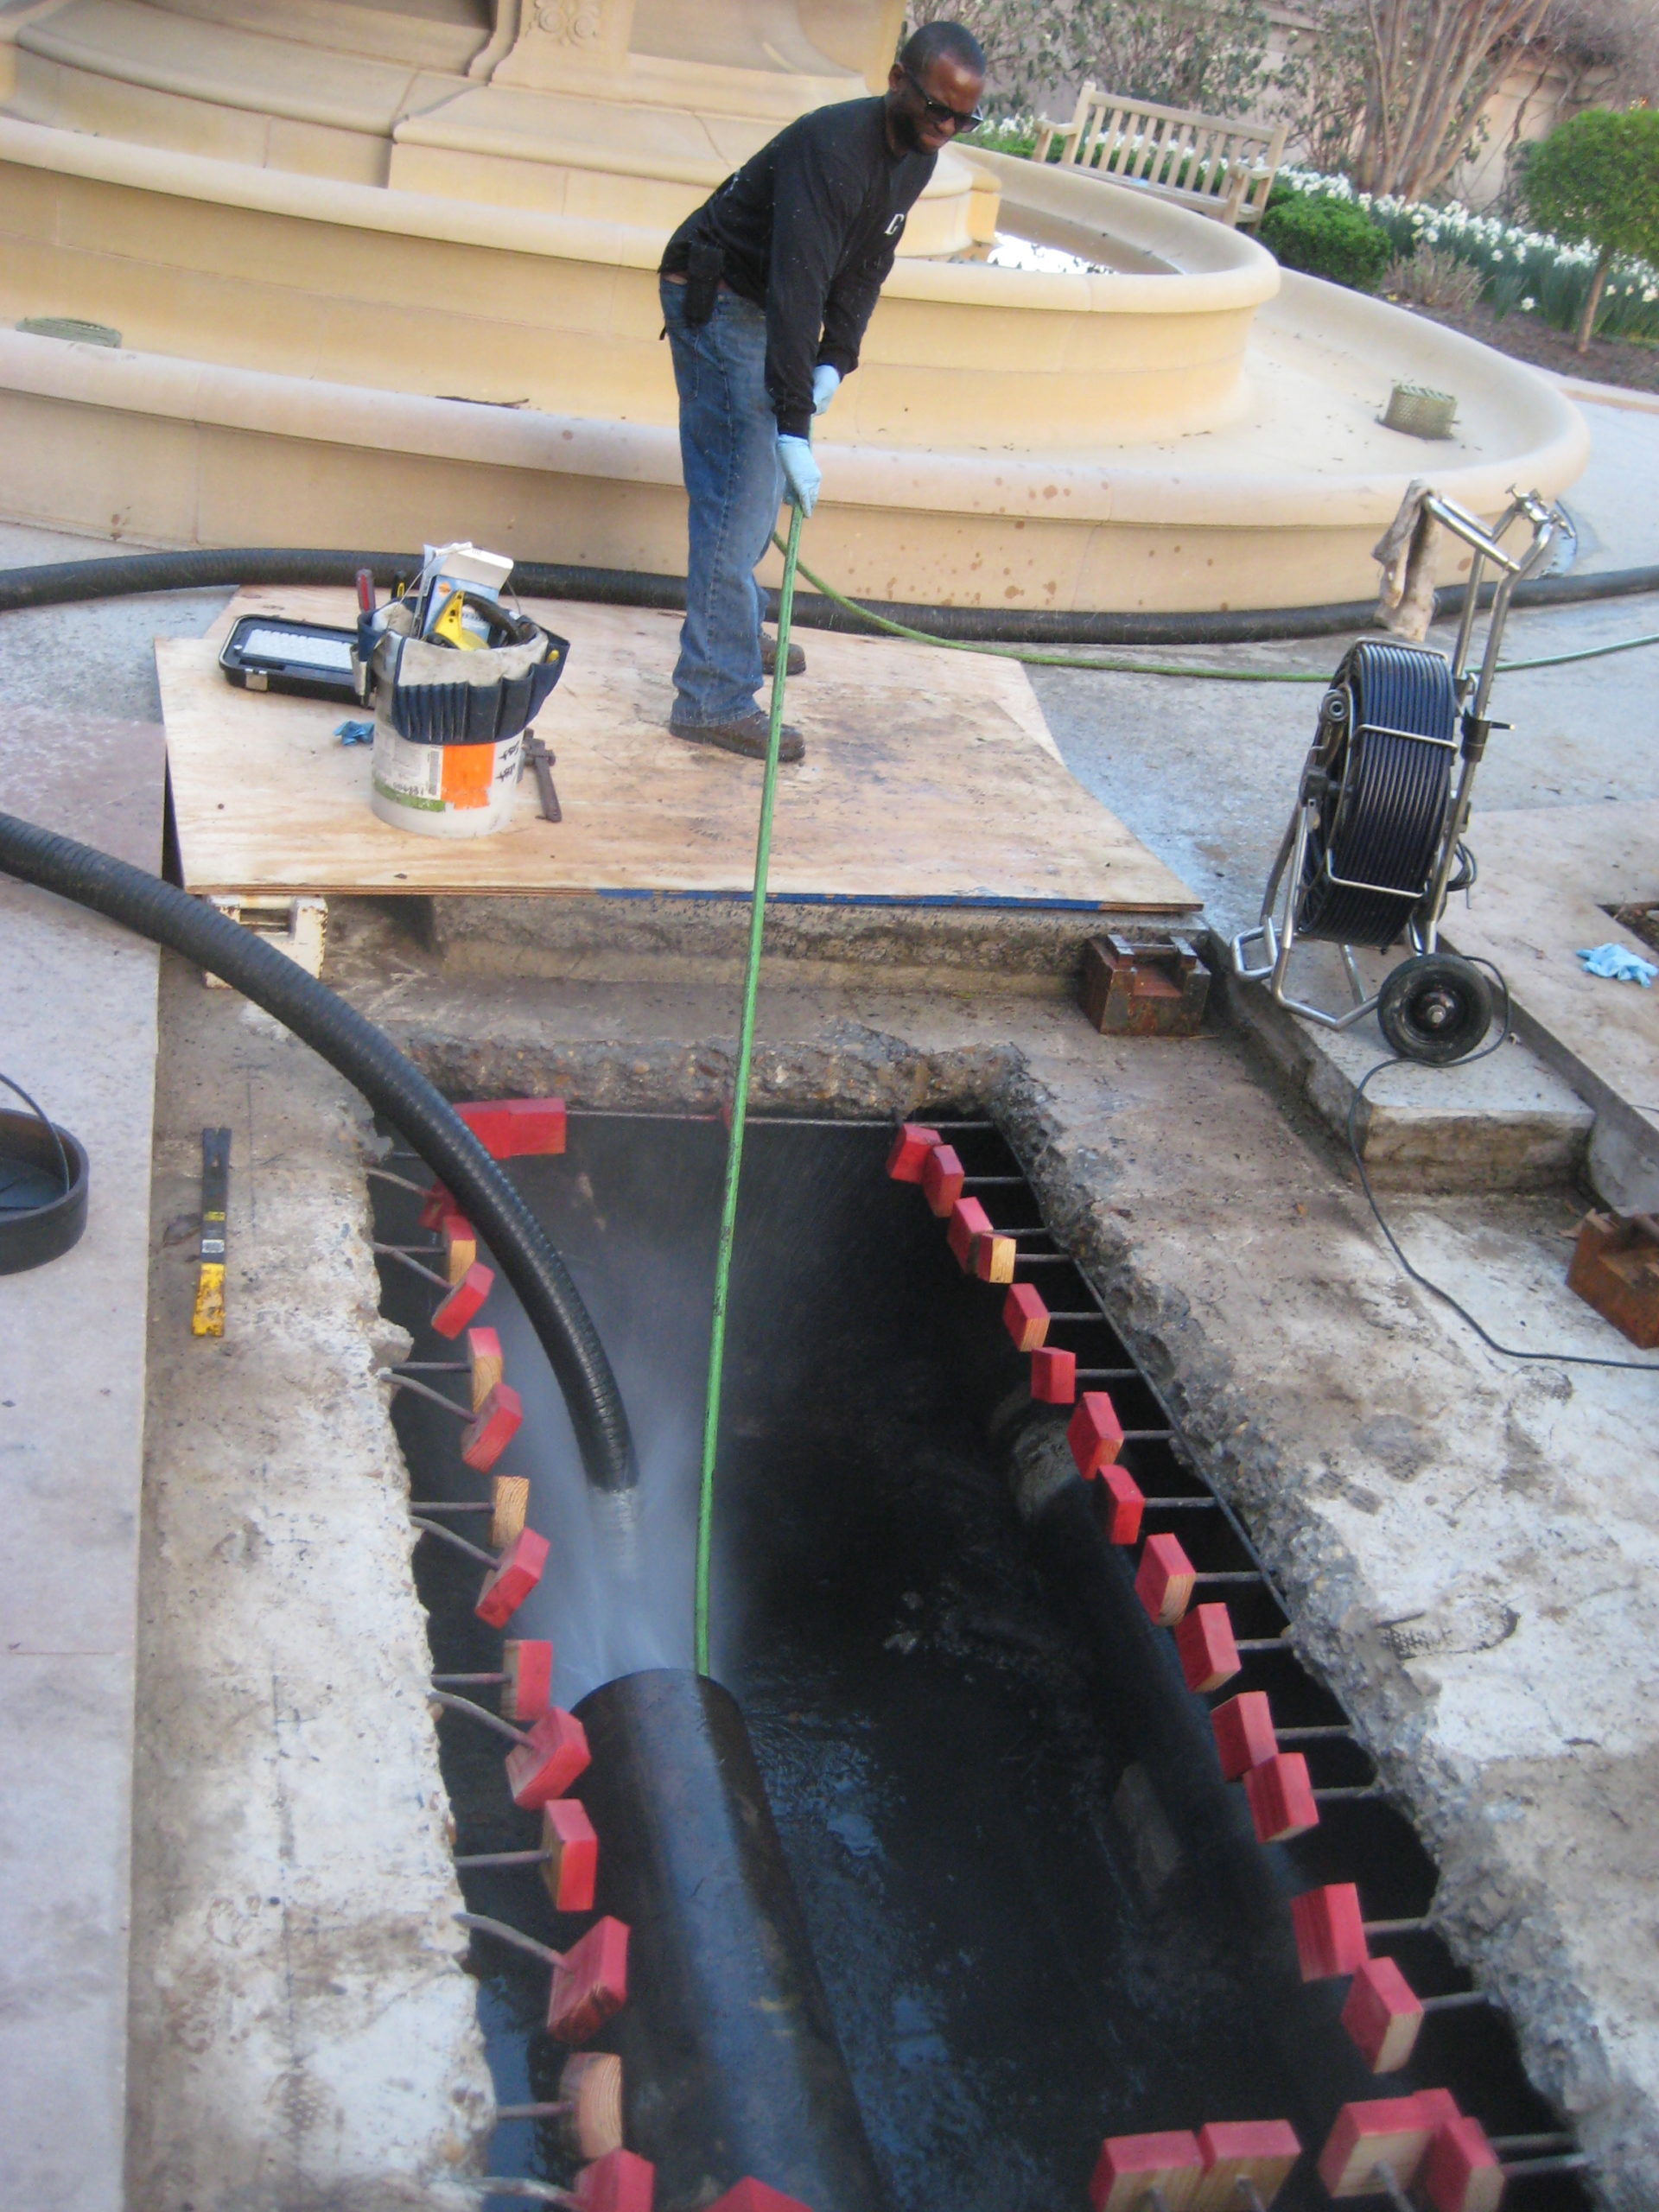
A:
{"x": 1426, "y": 67}
{"x": 1593, "y": 301}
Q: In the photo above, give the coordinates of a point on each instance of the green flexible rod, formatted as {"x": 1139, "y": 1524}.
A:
{"x": 740, "y": 1100}
{"x": 1165, "y": 668}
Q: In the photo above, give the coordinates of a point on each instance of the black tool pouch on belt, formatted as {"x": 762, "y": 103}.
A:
{"x": 702, "y": 271}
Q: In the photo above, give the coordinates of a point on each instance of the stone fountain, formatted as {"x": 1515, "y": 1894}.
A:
{"x": 372, "y": 272}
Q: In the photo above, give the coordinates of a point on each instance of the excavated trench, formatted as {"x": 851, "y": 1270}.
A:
{"x": 1039, "y": 1915}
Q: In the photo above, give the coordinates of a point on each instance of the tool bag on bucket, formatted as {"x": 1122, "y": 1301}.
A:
{"x": 448, "y": 728}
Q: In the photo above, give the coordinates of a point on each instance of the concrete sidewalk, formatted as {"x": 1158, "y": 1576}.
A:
{"x": 78, "y": 1017}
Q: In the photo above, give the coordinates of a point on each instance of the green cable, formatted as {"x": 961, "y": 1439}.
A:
{"x": 1166, "y": 668}
{"x": 741, "y": 1099}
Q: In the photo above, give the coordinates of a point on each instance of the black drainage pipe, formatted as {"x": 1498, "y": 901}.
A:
{"x": 729, "y": 2052}
{"x": 393, "y": 1085}
{"x": 1157, "y": 1728}
{"x": 60, "y": 582}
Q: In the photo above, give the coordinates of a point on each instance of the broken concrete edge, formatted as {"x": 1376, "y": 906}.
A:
{"x": 1500, "y": 1921}
{"x": 1449, "y": 1142}
{"x": 658, "y": 937}
{"x": 1623, "y": 1155}
{"x": 302, "y": 2019}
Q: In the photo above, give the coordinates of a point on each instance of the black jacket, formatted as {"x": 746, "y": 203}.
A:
{"x": 807, "y": 229}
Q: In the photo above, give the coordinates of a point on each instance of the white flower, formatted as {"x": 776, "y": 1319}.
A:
{"x": 1528, "y": 303}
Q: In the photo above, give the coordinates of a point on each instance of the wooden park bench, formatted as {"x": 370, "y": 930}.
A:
{"x": 1221, "y": 169}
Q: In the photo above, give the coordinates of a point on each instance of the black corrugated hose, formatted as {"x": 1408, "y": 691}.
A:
{"x": 392, "y": 1085}
{"x": 60, "y": 582}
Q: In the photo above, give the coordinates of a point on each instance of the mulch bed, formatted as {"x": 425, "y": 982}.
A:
{"x": 1610, "y": 360}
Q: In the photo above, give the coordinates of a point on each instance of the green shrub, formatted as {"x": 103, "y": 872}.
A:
{"x": 1596, "y": 178}
{"x": 1327, "y": 238}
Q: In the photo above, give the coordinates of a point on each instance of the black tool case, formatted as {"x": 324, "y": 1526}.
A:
{"x": 270, "y": 653}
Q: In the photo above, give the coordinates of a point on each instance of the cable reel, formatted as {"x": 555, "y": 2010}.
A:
{"x": 1375, "y": 846}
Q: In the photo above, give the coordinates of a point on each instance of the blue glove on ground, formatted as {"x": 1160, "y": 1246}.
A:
{"x": 1619, "y": 965}
{"x": 801, "y": 475}
{"x": 826, "y": 382}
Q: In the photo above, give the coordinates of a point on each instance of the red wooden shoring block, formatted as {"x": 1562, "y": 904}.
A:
{"x": 620, "y": 2181}
{"x": 491, "y": 1428}
{"x": 1053, "y": 1375}
{"x": 1393, "y": 2132}
{"x": 1280, "y": 1798}
{"x": 1129, "y": 2166}
{"x": 1243, "y": 1732}
{"x": 538, "y": 1127}
{"x": 1262, "y": 2151}
{"x": 1124, "y": 1505}
{"x": 484, "y": 1359}
{"x": 1439, "y": 2106}
{"x": 942, "y": 1178}
{"x": 1330, "y": 1932}
{"x": 572, "y": 1868}
{"x": 460, "y": 1244}
{"x": 1025, "y": 1316}
{"x": 513, "y": 1577}
{"x": 1164, "y": 1580}
{"x": 592, "y": 1985}
{"x": 1204, "y": 1643}
{"x": 969, "y": 1222}
{"x": 752, "y": 2196}
{"x": 994, "y": 1257}
{"x": 1095, "y": 1433}
{"x": 437, "y": 1202}
{"x": 909, "y": 1153}
{"x": 469, "y": 1293}
{"x": 1383, "y": 2015}
{"x": 527, "y": 1692}
{"x": 1461, "y": 2173}
{"x": 544, "y": 1767}
{"x": 491, "y": 1123}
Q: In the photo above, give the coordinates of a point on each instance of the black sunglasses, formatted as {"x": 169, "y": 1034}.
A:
{"x": 947, "y": 117}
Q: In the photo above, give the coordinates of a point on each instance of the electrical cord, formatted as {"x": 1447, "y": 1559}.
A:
{"x": 1100, "y": 666}
{"x": 1507, "y": 1352}
{"x": 50, "y": 1126}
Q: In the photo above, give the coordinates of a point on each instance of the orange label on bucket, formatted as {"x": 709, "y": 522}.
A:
{"x": 468, "y": 774}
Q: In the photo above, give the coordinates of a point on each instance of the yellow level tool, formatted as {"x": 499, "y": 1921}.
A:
{"x": 209, "y": 1319}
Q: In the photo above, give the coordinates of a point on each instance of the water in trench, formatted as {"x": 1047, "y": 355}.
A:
{"x": 1016, "y": 1964}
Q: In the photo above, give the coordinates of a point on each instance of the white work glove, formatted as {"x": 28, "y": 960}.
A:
{"x": 801, "y": 475}
{"x": 826, "y": 382}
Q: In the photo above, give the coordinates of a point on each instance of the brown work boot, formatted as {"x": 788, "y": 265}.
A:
{"x": 769, "y": 655}
{"x": 747, "y": 735}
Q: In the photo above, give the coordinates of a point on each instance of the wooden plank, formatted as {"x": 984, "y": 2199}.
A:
{"x": 930, "y": 777}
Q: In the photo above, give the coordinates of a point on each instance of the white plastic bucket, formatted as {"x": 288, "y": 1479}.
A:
{"x": 444, "y": 791}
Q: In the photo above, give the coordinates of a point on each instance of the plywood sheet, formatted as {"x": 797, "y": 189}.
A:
{"x": 930, "y": 777}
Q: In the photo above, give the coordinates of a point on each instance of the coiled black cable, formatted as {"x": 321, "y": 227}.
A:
{"x": 391, "y": 1083}
{"x": 1382, "y": 826}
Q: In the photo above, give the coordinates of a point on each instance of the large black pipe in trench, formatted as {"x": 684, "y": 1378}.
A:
{"x": 1156, "y": 1725}
{"x": 729, "y": 2050}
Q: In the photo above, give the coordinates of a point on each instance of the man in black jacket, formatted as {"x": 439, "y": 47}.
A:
{"x": 766, "y": 291}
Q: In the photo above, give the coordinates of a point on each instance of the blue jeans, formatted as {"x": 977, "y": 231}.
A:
{"x": 729, "y": 455}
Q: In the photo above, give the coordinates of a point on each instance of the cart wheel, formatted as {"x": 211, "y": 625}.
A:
{"x": 1436, "y": 1009}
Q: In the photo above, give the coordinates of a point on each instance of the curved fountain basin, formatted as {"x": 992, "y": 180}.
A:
{"x": 1200, "y": 438}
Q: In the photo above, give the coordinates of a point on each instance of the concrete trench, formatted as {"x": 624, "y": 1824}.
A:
{"x": 1461, "y": 1550}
